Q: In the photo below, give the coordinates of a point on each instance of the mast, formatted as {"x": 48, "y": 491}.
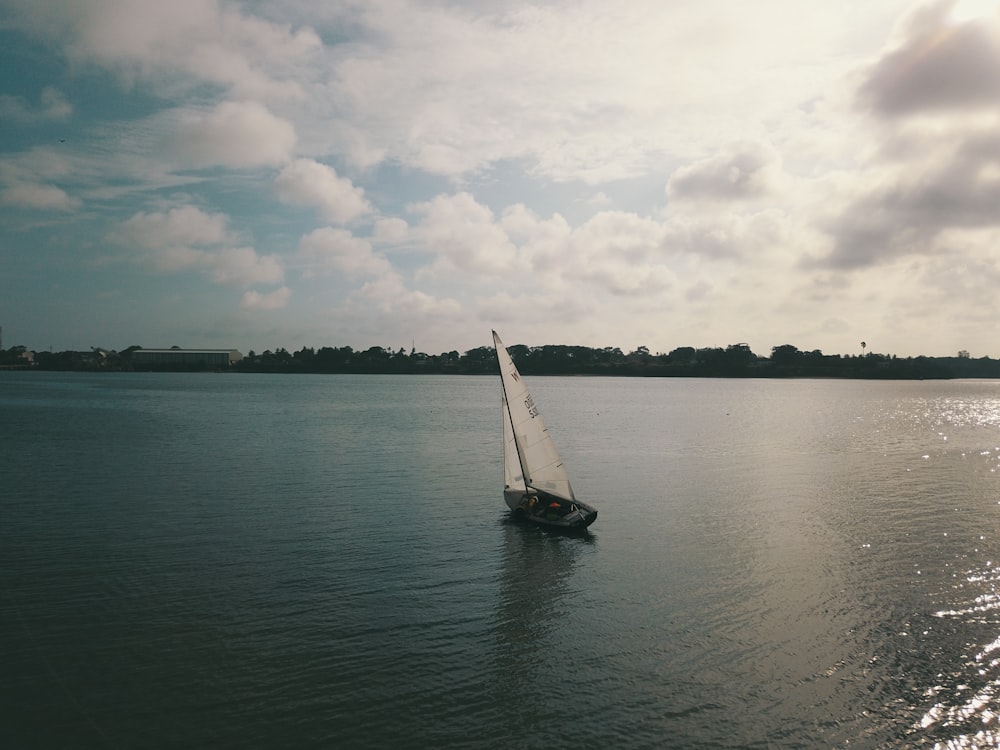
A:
{"x": 497, "y": 345}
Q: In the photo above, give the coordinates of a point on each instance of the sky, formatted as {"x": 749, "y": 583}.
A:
{"x": 414, "y": 173}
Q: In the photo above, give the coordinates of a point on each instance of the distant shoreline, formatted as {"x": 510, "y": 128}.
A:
{"x": 735, "y": 361}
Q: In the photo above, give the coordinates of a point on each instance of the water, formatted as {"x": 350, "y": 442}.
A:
{"x": 268, "y": 561}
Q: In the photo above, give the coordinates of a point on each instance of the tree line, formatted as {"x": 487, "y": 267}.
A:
{"x": 735, "y": 360}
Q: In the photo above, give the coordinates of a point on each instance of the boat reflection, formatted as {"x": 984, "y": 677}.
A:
{"x": 532, "y": 632}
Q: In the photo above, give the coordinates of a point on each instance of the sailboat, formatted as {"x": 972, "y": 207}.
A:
{"x": 536, "y": 485}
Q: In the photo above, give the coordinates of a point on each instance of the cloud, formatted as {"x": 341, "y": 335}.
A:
{"x": 308, "y": 183}
{"x": 908, "y": 214}
{"x": 329, "y": 250}
{"x": 34, "y": 196}
{"x": 733, "y": 235}
{"x": 254, "y": 300}
{"x": 569, "y": 90}
{"x": 52, "y": 105}
{"x": 748, "y": 171}
{"x": 242, "y": 266}
{"x": 599, "y": 199}
{"x": 184, "y": 225}
{"x": 186, "y": 238}
{"x": 234, "y": 134}
{"x": 697, "y": 291}
{"x": 615, "y": 251}
{"x": 390, "y": 297}
{"x": 936, "y": 96}
{"x": 387, "y": 310}
{"x": 175, "y": 45}
{"x": 938, "y": 65}
{"x": 390, "y": 230}
{"x": 463, "y": 234}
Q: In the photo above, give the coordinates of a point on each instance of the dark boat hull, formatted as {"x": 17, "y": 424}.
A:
{"x": 553, "y": 512}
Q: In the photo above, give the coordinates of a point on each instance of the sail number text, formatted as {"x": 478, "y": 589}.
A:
{"x": 529, "y": 404}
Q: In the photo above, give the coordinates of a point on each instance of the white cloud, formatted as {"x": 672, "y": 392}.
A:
{"x": 390, "y": 230}
{"x": 732, "y": 235}
{"x": 389, "y": 296}
{"x": 599, "y": 200}
{"x": 176, "y": 45}
{"x": 184, "y": 225}
{"x": 307, "y": 182}
{"x": 614, "y": 252}
{"x": 746, "y": 172}
{"x": 176, "y": 259}
{"x": 463, "y": 234}
{"x": 52, "y": 105}
{"x": 34, "y": 196}
{"x": 242, "y": 266}
{"x": 386, "y": 311}
{"x": 617, "y": 252}
{"x": 186, "y": 238}
{"x": 935, "y": 94}
{"x": 574, "y": 91}
{"x": 234, "y": 134}
{"x": 331, "y": 250}
{"x": 254, "y": 300}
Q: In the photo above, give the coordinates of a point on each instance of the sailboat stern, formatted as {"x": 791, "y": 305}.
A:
{"x": 583, "y": 516}
{"x": 587, "y": 516}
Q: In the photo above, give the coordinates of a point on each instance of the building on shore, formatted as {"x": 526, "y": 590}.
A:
{"x": 187, "y": 358}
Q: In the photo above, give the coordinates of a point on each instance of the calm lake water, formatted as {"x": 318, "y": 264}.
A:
{"x": 250, "y": 561}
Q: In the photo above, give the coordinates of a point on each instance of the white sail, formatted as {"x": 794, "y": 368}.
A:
{"x": 539, "y": 460}
{"x": 513, "y": 478}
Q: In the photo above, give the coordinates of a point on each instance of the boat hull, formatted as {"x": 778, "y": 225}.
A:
{"x": 549, "y": 511}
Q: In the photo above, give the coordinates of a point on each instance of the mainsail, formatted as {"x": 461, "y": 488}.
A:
{"x": 539, "y": 460}
{"x": 513, "y": 476}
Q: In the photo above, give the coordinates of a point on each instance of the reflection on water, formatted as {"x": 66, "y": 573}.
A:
{"x": 960, "y": 703}
{"x": 536, "y": 567}
{"x": 967, "y": 707}
{"x": 534, "y": 637}
{"x": 533, "y": 594}
{"x": 965, "y": 412}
